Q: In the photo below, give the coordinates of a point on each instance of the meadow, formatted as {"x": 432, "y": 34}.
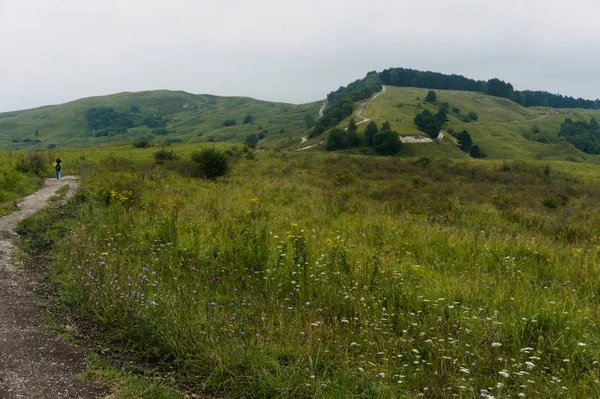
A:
{"x": 334, "y": 275}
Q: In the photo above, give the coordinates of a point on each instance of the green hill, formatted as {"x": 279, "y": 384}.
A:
{"x": 180, "y": 115}
{"x": 504, "y": 129}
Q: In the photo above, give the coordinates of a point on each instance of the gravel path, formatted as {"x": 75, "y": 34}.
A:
{"x": 34, "y": 363}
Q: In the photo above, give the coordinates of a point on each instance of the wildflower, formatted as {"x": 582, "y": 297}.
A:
{"x": 307, "y": 303}
{"x": 504, "y": 373}
{"x": 496, "y": 344}
{"x": 530, "y": 365}
{"x": 581, "y": 344}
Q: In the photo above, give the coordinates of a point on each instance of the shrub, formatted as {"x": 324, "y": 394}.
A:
{"x": 247, "y": 119}
{"x": 229, "y": 122}
{"x": 211, "y": 162}
{"x": 163, "y": 155}
{"x": 387, "y": 143}
{"x": 473, "y": 115}
{"x": 141, "y": 143}
{"x": 33, "y": 162}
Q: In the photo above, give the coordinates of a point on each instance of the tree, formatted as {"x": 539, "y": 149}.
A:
{"x": 247, "y": 119}
{"x": 442, "y": 116}
{"x": 370, "y": 132}
{"x": 229, "y": 122}
{"x": 211, "y": 162}
{"x": 464, "y": 141}
{"x": 473, "y": 115}
{"x": 309, "y": 121}
{"x": 428, "y": 123}
{"x": 477, "y": 152}
{"x": 386, "y": 126}
{"x": 337, "y": 140}
{"x": 251, "y": 140}
{"x": 387, "y": 142}
{"x": 431, "y": 97}
{"x": 352, "y": 126}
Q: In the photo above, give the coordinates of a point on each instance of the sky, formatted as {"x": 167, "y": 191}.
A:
{"x": 55, "y": 51}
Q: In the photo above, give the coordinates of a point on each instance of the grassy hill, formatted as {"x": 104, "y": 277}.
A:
{"x": 191, "y": 118}
{"x": 501, "y": 129}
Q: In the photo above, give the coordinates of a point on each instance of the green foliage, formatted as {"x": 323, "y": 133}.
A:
{"x": 211, "y": 162}
{"x": 494, "y": 87}
{"x": 340, "y": 139}
{"x": 341, "y": 102}
{"x": 387, "y": 142}
{"x": 163, "y": 155}
{"x": 431, "y": 97}
{"x": 473, "y": 116}
{"x": 352, "y": 126}
{"x": 34, "y": 162}
{"x": 106, "y": 121}
{"x": 247, "y": 119}
{"x": 252, "y": 140}
{"x": 141, "y": 143}
{"x": 370, "y": 132}
{"x": 309, "y": 121}
{"x": 429, "y": 123}
{"x": 584, "y": 136}
{"x": 464, "y": 141}
{"x": 229, "y": 122}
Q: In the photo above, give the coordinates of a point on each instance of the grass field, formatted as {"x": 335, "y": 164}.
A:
{"x": 333, "y": 275}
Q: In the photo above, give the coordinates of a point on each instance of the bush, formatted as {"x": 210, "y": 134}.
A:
{"x": 473, "y": 115}
{"x": 211, "y": 162}
{"x": 247, "y": 119}
{"x": 141, "y": 143}
{"x": 163, "y": 155}
{"x": 33, "y": 162}
{"x": 229, "y": 122}
{"x": 387, "y": 143}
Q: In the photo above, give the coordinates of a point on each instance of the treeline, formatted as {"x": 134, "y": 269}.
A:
{"x": 493, "y": 87}
{"x": 105, "y": 121}
{"x": 583, "y": 135}
{"x": 341, "y": 102}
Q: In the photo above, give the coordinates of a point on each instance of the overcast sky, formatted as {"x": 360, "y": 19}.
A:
{"x": 54, "y": 51}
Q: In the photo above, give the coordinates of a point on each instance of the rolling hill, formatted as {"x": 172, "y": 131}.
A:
{"x": 188, "y": 117}
{"x": 504, "y": 129}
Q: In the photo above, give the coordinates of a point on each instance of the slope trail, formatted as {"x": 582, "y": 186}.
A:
{"x": 34, "y": 363}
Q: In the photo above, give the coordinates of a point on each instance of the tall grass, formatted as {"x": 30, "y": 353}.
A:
{"x": 20, "y": 175}
{"x": 447, "y": 279}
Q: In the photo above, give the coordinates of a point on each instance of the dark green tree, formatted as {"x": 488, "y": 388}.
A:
{"x": 473, "y": 115}
{"x": 431, "y": 97}
{"x": 309, "y": 121}
{"x": 337, "y": 140}
{"x": 428, "y": 123}
{"x": 247, "y": 119}
{"x": 477, "y": 152}
{"x": 387, "y": 142}
{"x": 386, "y": 126}
{"x": 352, "y": 126}
{"x": 370, "y": 132}
{"x": 464, "y": 141}
{"x": 251, "y": 140}
{"x": 229, "y": 122}
{"x": 211, "y": 162}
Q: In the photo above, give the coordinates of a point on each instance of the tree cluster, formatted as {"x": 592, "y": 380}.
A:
{"x": 106, "y": 121}
{"x": 583, "y": 135}
{"x": 341, "y": 102}
{"x": 429, "y": 123}
{"x": 383, "y": 142}
{"x": 493, "y": 87}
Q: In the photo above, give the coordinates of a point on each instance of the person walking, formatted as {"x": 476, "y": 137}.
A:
{"x": 58, "y": 167}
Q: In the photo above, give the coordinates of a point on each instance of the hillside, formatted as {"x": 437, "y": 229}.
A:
{"x": 504, "y": 129}
{"x": 173, "y": 115}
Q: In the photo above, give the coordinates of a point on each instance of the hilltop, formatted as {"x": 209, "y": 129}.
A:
{"x": 163, "y": 115}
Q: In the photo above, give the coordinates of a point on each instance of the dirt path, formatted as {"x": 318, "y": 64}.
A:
{"x": 34, "y": 363}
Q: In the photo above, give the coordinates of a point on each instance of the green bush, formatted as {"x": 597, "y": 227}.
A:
{"x": 163, "y": 155}
{"x": 211, "y": 162}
